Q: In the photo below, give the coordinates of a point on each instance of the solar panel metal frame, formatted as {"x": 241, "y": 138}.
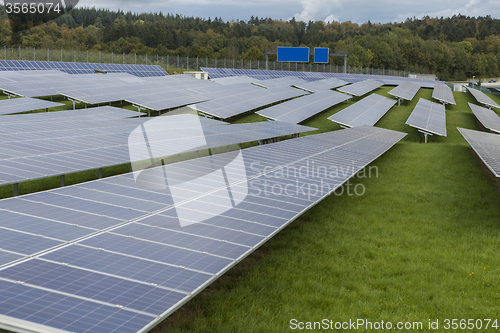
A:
{"x": 360, "y": 145}
{"x": 487, "y": 117}
{"x": 486, "y": 146}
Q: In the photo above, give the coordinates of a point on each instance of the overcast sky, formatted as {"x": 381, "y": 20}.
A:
{"x": 359, "y": 11}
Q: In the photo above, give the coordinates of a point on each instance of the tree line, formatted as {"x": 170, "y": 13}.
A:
{"x": 452, "y": 48}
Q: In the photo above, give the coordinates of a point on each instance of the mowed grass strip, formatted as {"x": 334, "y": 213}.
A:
{"x": 421, "y": 243}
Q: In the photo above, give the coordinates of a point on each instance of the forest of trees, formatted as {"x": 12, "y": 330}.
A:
{"x": 452, "y": 48}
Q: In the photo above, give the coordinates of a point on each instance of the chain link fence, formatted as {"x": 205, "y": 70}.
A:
{"x": 185, "y": 63}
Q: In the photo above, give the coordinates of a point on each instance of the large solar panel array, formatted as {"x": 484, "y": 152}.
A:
{"x": 486, "y": 146}
{"x": 81, "y": 68}
{"x": 233, "y": 105}
{"x": 229, "y": 80}
{"x": 429, "y": 118}
{"x": 361, "y": 88}
{"x": 443, "y": 94}
{"x": 215, "y": 73}
{"x": 321, "y": 85}
{"x": 299, "y": 109}
{"x": 367, "y": 111}
{"x": 406, "y": 91}
{"x": 482, "y": 98}
{"x": 34, "y": 150}
{"x": 108, "y": 256}
{"x": 281, "y": 82}
{"x": 487, "y": 117}
{"x": 16, "y": 105}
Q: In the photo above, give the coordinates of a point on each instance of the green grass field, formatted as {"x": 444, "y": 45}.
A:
{"x": 421, "y": 243}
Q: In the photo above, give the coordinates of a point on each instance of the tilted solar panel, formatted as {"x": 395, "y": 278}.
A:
{"x": 299, "y": 109}
{"x": 443, "y": 94}
{"x": 367, "y": 111}
{"x": 482, "y": 98}
{"x": 429, "y": 118}
{"x": 406, "y": 91}
{"x": 30, "y": 152}
{"x": 361, "y": 88}
{"x": 314, "y": 76}
{"x": 486, "y": 146}
{"x": 487, "y": 117}
{"x": 321, "y": 85}
{"x": 111, "y": 256}
{"x": 16, "y": 105}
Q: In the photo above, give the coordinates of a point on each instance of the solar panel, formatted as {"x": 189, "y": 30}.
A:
{"x": 46, "y": 118}
{"x": 235, "y": 80}
{"x": 321, "y": 85}
{"x": 16, "y": 105}
{"x": 429, "y": 118}
{"x": 487, "y": 117}
{"x": 109, "y": 256}
{"x": 486, "y": 146}
{"x": 314, "y": 76}
{"x": 406, "y": 91}
{"x": 299, "y": 109}
{"x": 30, "y": 152}
{"x": 361, "y": 88}
{"x": 82, "y": 68}
{"x": 367, "y": 111}
{"x": 287, "y": 81}
{"x": 233, "y": 105}
{"x": 482, "y": 98}
{"x": 443, "y": 94}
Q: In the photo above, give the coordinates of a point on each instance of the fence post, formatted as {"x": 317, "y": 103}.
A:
{"x": 146, "y": 58}
{"x": 215, "y": 62}
{"x": 19, "y": 53}
{"x": 178, "y": 62}
{"x": 87, "y": 56}
{"x": 167, "y": 61}
{"x": 61, "y": 56}
{"x": 112, "y": 58}
{"x": 48, "y": 55}
{"x": 241, "y": 63}
{"x": 233, "y": 63}
{"x": 124, "y": 58}
{"x": 135, "y": 58}
{"x": 99, "y": 56}
{"x": 156, "y": 60}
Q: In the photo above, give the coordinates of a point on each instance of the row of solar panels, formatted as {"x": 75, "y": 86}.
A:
{"x": 110, "y": 256}
{"x": 215, "y": 73}
{"x": 44, "y": 148}
{"x": 81, "y": 68}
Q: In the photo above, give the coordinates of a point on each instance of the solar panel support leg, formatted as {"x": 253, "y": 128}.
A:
{"x": 62, "y": 180}
{"x": 399, "y": 101}
{"x": 251, "y": 143}
{"x": 197, "y": 153}
{"x": 227, "y": 148}
{"x": 47, "y": 110}
{"x": 178, "y": 157}
{"x": 425, "y": 135}
{"x": 16, "y": 189}
{"x": 130, "y": 167}
{"x": 100, "y": 173}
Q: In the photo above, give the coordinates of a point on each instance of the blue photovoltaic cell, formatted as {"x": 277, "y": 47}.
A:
{"x": 7, "y": 257}
{"x": 100, "y": 287}
{"x": 321, "y": 55}
{"x": 293, "y": 54}
{"x": 67, "y": 313}
{"x": 23, "y": 243}
{"x": 133, "y": 268}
